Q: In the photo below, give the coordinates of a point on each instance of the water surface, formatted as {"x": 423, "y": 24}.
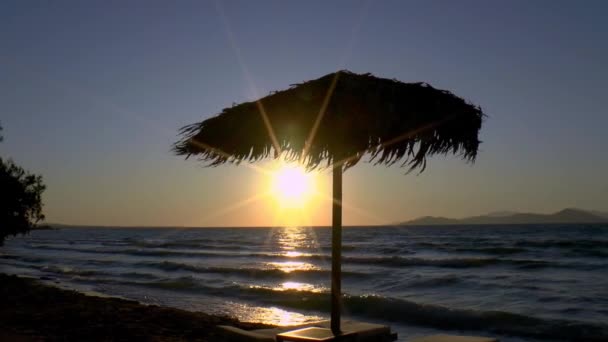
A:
{"x": 521, "y": 283}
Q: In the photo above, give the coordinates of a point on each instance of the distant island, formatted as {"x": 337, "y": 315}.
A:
{"x": 565, "y": 216}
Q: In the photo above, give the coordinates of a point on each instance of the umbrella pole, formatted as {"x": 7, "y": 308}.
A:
{"x": 336, "y": 249}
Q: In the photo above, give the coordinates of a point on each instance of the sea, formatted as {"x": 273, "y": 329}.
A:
{"x": 514, "y": 282}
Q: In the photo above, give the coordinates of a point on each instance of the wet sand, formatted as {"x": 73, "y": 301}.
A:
{"x": 32, "y": 311}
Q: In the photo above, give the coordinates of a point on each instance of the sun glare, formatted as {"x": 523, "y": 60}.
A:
{"x": 292, "y": 187}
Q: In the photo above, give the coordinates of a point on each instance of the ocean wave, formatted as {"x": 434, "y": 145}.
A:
{"x": 189, "y": 244}
{"x": 499, "y": 322}
{"x": 582, "y": 247}
{"x": 66, "y": 270}
{"x": 96, "y": 274}
{"x": 23, "y": 258}
{"x": 71, "y": 271}
{"x": 393, "y": 250}
{"x": 424, "y": 282}
{"x": 385, "y": 261}
{"x": 555, "y": 243}
{"x": 449, "y": 279}
{"x": 498, "y": 250}
{"x": 397, "y": 261}
{"x": 600, "y": 252}
{"x": 252, "y": 273}
{"x": 142, "y": 251}
{"x": 401, "y": 311}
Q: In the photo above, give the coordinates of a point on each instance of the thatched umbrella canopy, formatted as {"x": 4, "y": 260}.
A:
{"x": 332, "y": 122}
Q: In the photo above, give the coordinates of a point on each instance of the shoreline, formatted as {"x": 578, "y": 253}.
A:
{"x": 33, "y": 311}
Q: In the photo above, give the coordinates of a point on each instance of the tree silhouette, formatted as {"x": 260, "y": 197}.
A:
{"x": 20, "y": 199}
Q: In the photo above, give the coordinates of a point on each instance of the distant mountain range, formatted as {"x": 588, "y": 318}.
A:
{"x": 569, "y": 215}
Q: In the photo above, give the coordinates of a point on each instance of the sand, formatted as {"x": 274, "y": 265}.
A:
{"x": 32, "y": 311}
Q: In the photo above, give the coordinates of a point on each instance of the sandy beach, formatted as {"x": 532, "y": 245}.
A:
{"x": 32, "y": 311}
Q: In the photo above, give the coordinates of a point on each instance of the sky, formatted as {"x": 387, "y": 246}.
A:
{"x": 92, "y": 94}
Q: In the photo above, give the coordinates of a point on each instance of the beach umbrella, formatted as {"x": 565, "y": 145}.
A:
{"x": 332, "y": 122}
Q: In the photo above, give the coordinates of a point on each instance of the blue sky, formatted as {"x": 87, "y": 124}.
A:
{"x": 92, "y": 95}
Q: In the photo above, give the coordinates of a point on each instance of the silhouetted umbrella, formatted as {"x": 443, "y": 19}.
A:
{"x": 332, "y": 122}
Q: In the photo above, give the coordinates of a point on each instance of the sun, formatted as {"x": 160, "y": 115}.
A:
{"x": 291, "y": 186}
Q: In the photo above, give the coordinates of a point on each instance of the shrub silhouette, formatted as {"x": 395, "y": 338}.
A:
{"x": 20, "y": 199}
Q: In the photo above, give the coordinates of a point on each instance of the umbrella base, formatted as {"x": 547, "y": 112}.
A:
{"x": 315, "y": 334}
{"x": 358, "y": 331}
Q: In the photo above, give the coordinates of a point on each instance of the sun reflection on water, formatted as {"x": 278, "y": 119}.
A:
{"x": 290, "y": 266}
{"x": 297, "y": 286}
{"x": 288, "y": 244}
{"x": 293, "y": 254}
{"x": 289, "y": 239}
{"x": 272, "y": 315}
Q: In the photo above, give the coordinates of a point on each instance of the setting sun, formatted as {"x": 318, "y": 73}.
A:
{"x": 291, "y": 186}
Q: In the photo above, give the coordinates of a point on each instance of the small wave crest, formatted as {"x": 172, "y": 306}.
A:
{"x": 385, "y": 261}
{"x": 561, "y": 243}
{"x": 250, "y": 273}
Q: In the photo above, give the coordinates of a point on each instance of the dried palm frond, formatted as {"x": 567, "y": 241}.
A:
{"x": 338, "y": 118}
